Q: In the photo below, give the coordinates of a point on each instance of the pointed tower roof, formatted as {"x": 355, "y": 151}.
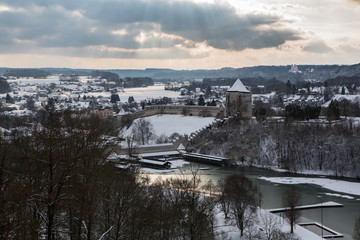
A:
{"x": 238, "y": 87}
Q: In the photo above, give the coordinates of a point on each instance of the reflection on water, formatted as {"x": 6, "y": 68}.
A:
{"x": 340, "y": 219}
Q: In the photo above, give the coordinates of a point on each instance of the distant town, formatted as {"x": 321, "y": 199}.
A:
{"x": 24, "y": 91}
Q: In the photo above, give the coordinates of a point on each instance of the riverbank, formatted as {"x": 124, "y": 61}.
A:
{"x": 303, "y": 173}
{"x": 333, "y": 185}
{"x": 272, "y": 194}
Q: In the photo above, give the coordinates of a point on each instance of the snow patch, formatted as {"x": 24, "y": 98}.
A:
{"x": 339, "y": 195}
{"x": 169, "y": 124}
{"x": 334, "y": 185}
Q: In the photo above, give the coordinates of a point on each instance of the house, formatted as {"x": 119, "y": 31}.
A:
{"x": 103, "y": 113}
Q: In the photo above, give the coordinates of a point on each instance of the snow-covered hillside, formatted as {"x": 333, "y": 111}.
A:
{"x": 169, "y": 124}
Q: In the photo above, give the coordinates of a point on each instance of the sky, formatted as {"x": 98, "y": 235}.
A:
{"x": 177, "y": 34}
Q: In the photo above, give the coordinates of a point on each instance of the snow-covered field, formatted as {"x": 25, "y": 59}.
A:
{"x": 48, "y": 80}
{"x": 169, "y": 124}
{"x": 334, "y": 185}
{"x": 140, "y": 94}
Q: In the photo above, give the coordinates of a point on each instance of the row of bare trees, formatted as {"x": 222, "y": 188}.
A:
{"x": 50, "y": 176}
{"x": 294, "y": 146}
{"x": 56, "y": 183}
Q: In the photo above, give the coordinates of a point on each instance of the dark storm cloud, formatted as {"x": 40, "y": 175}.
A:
{"x": 317, "y": 47}
{"x": 84, "y": 23}
{"x": 219, "y": 25}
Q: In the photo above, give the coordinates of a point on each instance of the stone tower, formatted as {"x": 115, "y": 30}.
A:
{"x": 238, "y": 101}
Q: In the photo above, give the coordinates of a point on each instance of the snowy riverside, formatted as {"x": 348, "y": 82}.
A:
{"x": 86, "y": 154}
{"x": 179, "y": 120}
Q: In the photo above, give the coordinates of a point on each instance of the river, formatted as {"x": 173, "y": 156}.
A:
{"x": 339, "y": 219}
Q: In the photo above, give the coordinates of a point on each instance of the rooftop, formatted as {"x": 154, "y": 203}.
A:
{"x": 238, "y": 86}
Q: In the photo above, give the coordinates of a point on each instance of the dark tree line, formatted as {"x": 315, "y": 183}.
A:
{"x": 138, "y": 82}
{"x": 35, "y": 73}
{"x": 4, "y": 85}
{"x": 302, "y": 111}
{"x": 109, "y": 76}
{"x": 128, "y": 82}
{"x": 54, "y": 167}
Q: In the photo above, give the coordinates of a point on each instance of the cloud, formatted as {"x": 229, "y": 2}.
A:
{"x": 155, "y": 24}
{"x": 104, "y": 52}
{"x": 318, "y": 46}
{"x": 219, "y": 25}
{"x": 355, "y": 1}
{"x": 348, "y": 48}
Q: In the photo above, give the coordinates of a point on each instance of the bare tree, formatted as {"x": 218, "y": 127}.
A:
{"x": 356, "y": 233}
{"x": 224, "y": 203}
{"x": 269, "y": 225}
{"x": 190, "y": 211}
{"x": 142, "y": 131}
{"x": 131, "y": 146}
{"x": 61, "y": 154}
{"x": 242, "y": 195}
{"x": 292, "y": 199}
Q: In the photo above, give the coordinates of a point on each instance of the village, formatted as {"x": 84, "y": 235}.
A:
{"x": 103, "y": 97}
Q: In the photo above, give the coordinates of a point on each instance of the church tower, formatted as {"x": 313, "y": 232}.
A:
{"x": 238, "y": 101}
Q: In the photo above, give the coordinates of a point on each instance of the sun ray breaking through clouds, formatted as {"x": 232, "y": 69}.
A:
{"x": 205, "y": 34}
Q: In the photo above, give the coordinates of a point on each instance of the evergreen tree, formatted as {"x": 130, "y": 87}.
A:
{"x": 30, "y": 104}
{"x": 294, "y": 111}
{"x": 333, "y": 112}
{"x": 288, "y": 87}
{"x": 51, "y": 103}
{"x": 208, "y": 91}
{"x": 143, "y": 103}
{"x": 4, "y": 86}
{"x": 9, "y": 99}
{"x": 114, "y": 98}
{"x": 201, "y": 101}
{"x": 131, "y": 99}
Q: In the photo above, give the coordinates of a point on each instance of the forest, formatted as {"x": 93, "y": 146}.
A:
{"x": 292, "y": 145}
{"x": 24, "y": 72}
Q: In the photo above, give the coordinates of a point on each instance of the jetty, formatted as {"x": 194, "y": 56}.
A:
{"x": 317, "y": 228}
{"x": 329, "y": 204}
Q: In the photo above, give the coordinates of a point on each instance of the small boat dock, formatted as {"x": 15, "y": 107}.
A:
{"x": 329, "y": 204}
{"x": 315, "y": 227}
{"x": 207, "y": 159}
{"x": 321, "y": 230}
